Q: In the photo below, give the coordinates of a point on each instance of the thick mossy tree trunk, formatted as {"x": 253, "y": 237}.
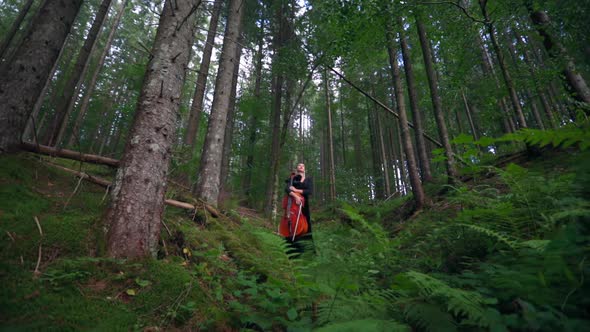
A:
{"x": 134, "y": 217}
{"x": 208, "y": 184}
{"x": 199, "y": 95}
{"x": 69, "y": 94}
{"x": 23, "y": 79}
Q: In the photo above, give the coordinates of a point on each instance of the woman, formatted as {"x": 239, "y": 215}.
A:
{"x": 303, "y": 186}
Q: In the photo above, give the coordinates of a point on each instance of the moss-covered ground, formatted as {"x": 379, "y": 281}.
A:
{"x": 506, "y": 250}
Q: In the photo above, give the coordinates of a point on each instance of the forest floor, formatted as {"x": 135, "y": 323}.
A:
{"x": 505, "y": 251}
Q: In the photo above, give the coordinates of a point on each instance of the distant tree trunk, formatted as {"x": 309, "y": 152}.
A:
{"x": 92, "y": 84}
{"x": 208, "y": 184}
{"x": 70, "y": 91}
{"x": 375, "y": 154}
{"x": 534, "y": 109}
{"x": 229, "y": 126}
{"x": 23, "y": 79}
{"x": 503, "y": 68}
{"x": 253, "y": 123}
{"x": 331, "y": 167}
{"x": 14, "y": 28}
{"x": 417, "y": 189}
{"x": 469, "y": 116}
{"x": 529, "y": 61}
{"x": 383, "y": 151}
{"x": 575, "y": 82}
{"x": 488, "y": 68}
{"x": 275, "y": 121}
{"x": 135, "y": 214}
{"x": 416, "y": 113}
{"x": 436, "y": 100}
{"x": 199, "y": 95}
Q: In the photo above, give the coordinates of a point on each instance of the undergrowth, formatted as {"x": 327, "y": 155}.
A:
{"x": 506, "y": 251}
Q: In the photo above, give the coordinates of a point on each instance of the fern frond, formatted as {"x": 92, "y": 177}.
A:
{"x": 500, "y": 237}
{"x": 462, "y": 304}
{"x": 366, "y": 325}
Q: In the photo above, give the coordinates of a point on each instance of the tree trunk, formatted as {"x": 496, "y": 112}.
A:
{"x": 208, "y": 184}
{"x": 331, "y": 168}
{"x": 14, "y": 28}
{"x": 474, "y": 132}
{"x": 575, "y": 82}
{"x": 375, "y": 154}
{"x": 199, "y": 95}
{"x": 535, "y": 110}
{"x": 275, "y": 121}
{"x": 22, "y": 80}
{"x": 90, "y": 89}
{"x": 71, "y": 89}
{"x": 253, "y": 123}
{"x": 229, "y": 126}
{"x": 39, "y": 104}
{"x": 416, "y": 113}
{"x": 503, "y": 67}
{"x": 436, "y": 100}
{"x": 488, "y": 68}
{"x": 417, "y": 189}
{"x": 135, "y": 214}
{"x": 529, "y": 61}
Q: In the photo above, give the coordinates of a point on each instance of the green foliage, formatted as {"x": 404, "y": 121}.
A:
{"x": 502, "y": 253}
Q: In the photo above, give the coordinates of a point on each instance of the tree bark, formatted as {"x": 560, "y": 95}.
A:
{"x": 416, "y": 113}
{"x": 229, "y": 126}
{"x": 419, "y": 196}
{"x": 92, "y": 84}
{"x": 208, "y": 184}
{"x": 436, "y": 100}
{"x": 22, "y": 80}
{"x": 199, "y": 95}
{"x": 14, "y": 28}
{"x": 135, "y": 215}
{"x": 71, "y": 89}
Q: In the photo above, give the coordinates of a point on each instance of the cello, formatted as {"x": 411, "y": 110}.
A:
{"x": 293, "y": 223}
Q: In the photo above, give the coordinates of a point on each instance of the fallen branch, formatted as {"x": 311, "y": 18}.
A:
{"x": 40, "y": 252}
{"x": 107, "y": 184}
{"x": 70, "y": 154}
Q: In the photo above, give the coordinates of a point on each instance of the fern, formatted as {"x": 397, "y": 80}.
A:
{"x": 467, "y": 307}
{"x": 367, "y": 325}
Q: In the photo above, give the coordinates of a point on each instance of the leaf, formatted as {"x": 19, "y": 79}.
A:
{"x": 142, "y": 283}
{"x": 131, "y": 292}
{"x": 292, "y": 314}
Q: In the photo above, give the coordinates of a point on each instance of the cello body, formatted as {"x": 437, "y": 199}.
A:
{"x": 293, "y": 223}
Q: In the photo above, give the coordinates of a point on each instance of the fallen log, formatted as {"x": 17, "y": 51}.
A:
{"x": 107, "y": 184}
{"x": 70, "y": 154}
